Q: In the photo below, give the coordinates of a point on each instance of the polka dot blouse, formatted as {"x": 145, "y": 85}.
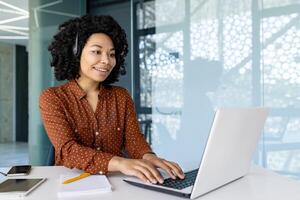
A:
{"x": 85, "y": 139}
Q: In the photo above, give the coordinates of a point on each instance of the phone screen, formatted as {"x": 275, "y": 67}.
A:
{"x": 19, "y": 170}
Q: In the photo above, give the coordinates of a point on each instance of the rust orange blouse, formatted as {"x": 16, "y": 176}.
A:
{"x": 85, "y": 139}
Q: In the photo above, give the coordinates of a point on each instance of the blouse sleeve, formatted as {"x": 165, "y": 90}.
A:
{"x": 135, "y": 143}
{"x": 68, "y": 151}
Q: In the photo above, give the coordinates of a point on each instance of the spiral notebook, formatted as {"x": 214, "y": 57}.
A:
{"x": 91, "y": 185}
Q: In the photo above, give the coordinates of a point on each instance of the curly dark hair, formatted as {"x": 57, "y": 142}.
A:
{"x": 66, "y": 63}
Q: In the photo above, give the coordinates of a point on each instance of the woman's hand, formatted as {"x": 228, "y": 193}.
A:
{"x": 141, "y": 168}
{"x": 146, "y": 168}
{"x": 172, "y": 168}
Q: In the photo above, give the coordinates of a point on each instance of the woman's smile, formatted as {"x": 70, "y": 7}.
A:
{"x": 102, "y": 70}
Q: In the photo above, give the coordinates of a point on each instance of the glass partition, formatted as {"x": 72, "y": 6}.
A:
{"x": 45, "y": 16}
{"x": 195, "y": 56}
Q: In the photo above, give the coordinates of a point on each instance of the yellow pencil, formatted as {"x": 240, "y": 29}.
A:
{"x": 83, "y": 175}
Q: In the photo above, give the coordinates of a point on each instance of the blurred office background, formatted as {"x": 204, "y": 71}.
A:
{"x": 186, "y": 58}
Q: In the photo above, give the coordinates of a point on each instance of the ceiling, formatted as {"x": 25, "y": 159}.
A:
{"x": 14, "y": 25}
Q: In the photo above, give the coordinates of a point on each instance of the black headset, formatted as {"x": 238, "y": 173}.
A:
{"x": 75, "y": 47}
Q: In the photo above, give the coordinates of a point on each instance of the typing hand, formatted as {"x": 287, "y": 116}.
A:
{"x": 141, "y": 168}
{"x": 173, "y": 169}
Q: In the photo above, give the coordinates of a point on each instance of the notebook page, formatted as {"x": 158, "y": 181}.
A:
{"x": 91, "y": 185}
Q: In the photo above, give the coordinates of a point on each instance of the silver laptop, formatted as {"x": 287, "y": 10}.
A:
{"x": 227, "y": 156}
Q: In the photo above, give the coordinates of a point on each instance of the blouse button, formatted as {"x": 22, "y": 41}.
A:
{"x": 101, "y": 172}
{"x": 97, "y": 133}
{"x": 98, "y": 148}
{"x": 76, "y": 131}
{"x": 118, "y": 129}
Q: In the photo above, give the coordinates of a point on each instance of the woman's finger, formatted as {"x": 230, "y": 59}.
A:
{"x": 160, "y": 163}
{"x": 153, "y": 170}
{"x": 175, "y": 168}
{"x": 146, "y": 172}
{"x": 140, "y": 175}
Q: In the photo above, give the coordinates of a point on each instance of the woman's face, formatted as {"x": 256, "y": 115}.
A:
{"x": 97, "y": 58}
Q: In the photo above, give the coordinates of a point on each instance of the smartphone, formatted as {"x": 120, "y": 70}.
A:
{"x": 19, "y": 170}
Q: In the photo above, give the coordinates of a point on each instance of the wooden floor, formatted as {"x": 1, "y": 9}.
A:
{"x": 13, "y": 154}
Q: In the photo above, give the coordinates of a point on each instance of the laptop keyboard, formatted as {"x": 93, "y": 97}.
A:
{"x": 181, "y": 183}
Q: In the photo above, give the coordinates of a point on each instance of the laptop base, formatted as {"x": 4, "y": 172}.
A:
{"x": 159, "y": 189}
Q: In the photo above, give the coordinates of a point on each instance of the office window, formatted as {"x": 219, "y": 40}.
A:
{"x": 214, "y": 54}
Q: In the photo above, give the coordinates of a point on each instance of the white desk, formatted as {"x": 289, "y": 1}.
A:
{"x": 259, "y": 184}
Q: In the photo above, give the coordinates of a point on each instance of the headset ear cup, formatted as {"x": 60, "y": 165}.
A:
{"x": 75, "y": 47}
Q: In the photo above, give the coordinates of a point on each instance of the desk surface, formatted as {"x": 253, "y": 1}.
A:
{"x": 259, "y": 184}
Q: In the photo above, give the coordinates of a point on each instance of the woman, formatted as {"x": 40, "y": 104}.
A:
{"x": 88, "y": 121}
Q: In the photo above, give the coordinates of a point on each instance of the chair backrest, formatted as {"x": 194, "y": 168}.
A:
{"x": 146, "y": 129}
{"x": 51, "y": 156}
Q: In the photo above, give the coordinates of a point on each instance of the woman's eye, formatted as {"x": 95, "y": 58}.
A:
{"x": 112, "y": 55}
{"x": 96, "y": 52}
